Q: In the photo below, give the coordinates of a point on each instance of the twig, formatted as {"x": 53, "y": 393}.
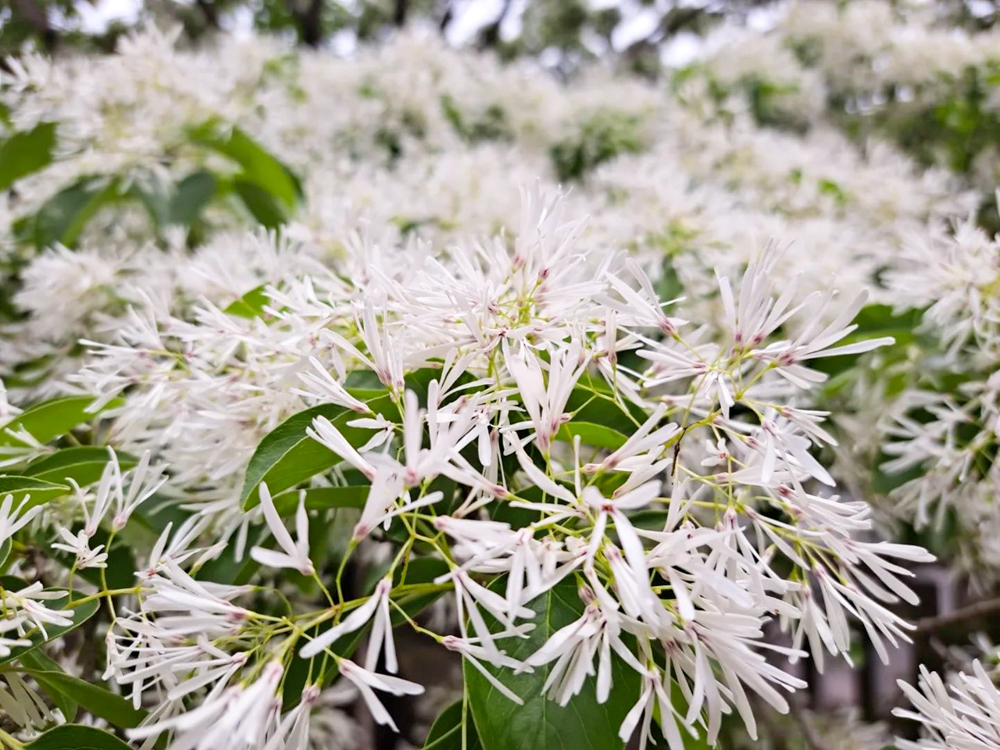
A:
{"x": 446, "y": 19}
{"x": 809, "y": 735}
{"x": 766, "y": 714}
{"x": 930, "y": 625}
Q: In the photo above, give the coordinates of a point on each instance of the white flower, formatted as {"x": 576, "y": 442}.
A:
{"x": 176, "y": 547}
{"x": 366, "y": 680}
{"x": 324, "y": 432}
{"x": 327, "y": 390}
{"x": 27, "y": 605}
{"x": 296, "y": 553}
{"x": 816, "y": 341}
{"x": 469, "y": 596}
{"x": 654, "y": 696}
{"x": 380, "y": 640}
{"x": 545, "y": 403}
{"x": 79, "y": 546}
{"x": 293, "y": 732}
{"x": 232, "y": 720}
{"x": 144, "y": 482}
{"x": 6, "y": 644}
{"x": 573, "y": 648}
{"x": 12, "y": 520}
{"x": 185, "y": 607}
{"x": 475, "y": 655}
{"x": 962, "y": 715}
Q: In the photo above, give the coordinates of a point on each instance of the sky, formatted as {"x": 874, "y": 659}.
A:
{"x": 96, "y": 16}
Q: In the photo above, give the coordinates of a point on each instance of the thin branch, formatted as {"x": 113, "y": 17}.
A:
{"x": 446, "y": 18}
{"x": 810, "y": 736}
{"x": 767, "y": 716}
{"x": 929, "y": 625}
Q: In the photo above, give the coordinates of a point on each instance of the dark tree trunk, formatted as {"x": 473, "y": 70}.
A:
{"x": 400, "y": 12}
{"x": 490, "y": 34}
{"x": 310, "y": 23}
{"x": 35, "y": 16}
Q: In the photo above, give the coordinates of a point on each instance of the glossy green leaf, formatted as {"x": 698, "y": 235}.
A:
{"x": 39, "y": 490}
{"x": 592, "y": 401}
{"x": 264, "y": 207}
{"x": 63, "y": 217}
{"x": 149, "y": 190}
{"x": 447, "y": 732}
{"x": 97, "y": 700}
{"x": 84, "y": 465}
{"x": 27, "y": 152}
{"x": 49, "y": 419}
{"x": 541, "y": 724}
{"x": 77, "y": 737}
{"x": 38, "y": 661}
{"x": 191, "y": 196}
{"x": 5, "y": 549}
{"x": 596, "y": 435}
{"x": 287, "y": 456}
{"x": 259, "y": 166}
{"x": 250, "y": 305}
{"x": 322, "y": 498}
{"x": 228, "y": 570}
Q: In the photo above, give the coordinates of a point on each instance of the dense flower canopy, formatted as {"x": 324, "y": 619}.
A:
{"x": 598, "y": 384}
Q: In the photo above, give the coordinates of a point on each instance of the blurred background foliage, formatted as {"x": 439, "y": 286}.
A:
{"x": 566, "y": 31}
{"x": 658, "y": 39}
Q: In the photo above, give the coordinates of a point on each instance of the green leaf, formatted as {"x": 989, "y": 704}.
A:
{"x": 84, "y": 465}
{"x": 264, "y": 207}
{"x": 259, "y": 166}
{"x": 27, "y": 152}
{"x": 596, "y": 435}
{"x": 287, "y": 456}
{"x": 77, "y": 737}
{"x": 250, "y": 305}
{"x": 38, "y": 661}
{"x": 191, "y": 196}
{"x": 541, "y": 724}
{"x": 97, "y": 700}
{"x": 228, "y": 570}
{"x": 50, "y": 419}
{"x": 594, "y": 402}
{"x": 63, "y": 217}
{"x": 322, "y": 498}
{"x": 446, "y": 732}
{"x": 39, "y": 490}
{"x": 5, "y": 549}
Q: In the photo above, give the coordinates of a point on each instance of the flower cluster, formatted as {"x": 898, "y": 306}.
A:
{"x": 587, "y": 441}
{"x": 555, "y": 399}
